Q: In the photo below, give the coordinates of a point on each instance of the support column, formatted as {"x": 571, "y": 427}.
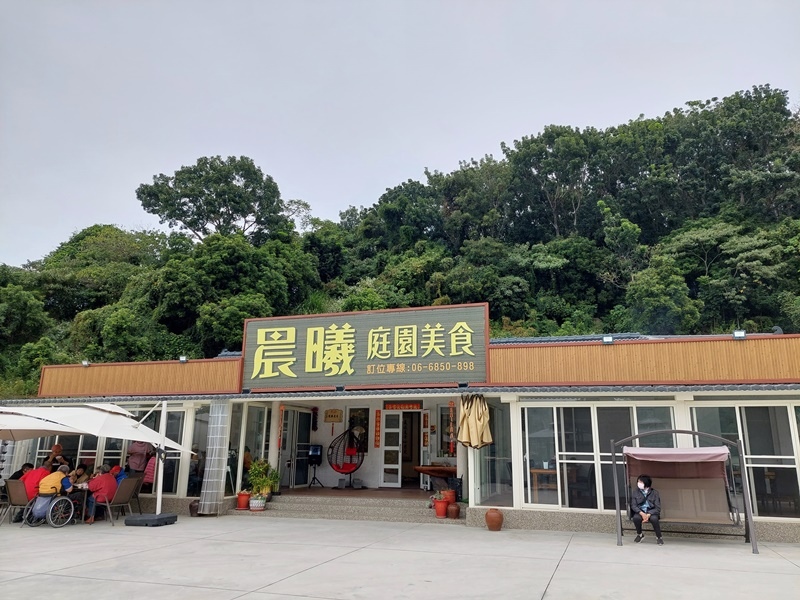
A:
{"x": 212, "y": 493}
{"x": 275, "y": 431}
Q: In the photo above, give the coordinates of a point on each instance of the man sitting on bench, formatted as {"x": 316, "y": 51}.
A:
{"x": 646, "y": 508}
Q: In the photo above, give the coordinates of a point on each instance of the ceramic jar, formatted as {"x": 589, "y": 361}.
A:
{"x": 453, "y": 511}
{"x": 494, "y": 519}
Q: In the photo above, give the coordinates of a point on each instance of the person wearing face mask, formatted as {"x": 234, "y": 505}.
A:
{"x": 646, "y": 508}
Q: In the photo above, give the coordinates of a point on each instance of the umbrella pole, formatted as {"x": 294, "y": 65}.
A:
{"x": 162, "y": 429}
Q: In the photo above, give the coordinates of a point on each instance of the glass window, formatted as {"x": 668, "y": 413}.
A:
{"x": 494, "y": 460}
{"x": 233, "y": 449}
{"x": 776, "y": 491}
{"x": 197, "y": 462}
{"x": 613, "y": 423}
{"x": 607, "y": 471}
{"x": 540, "y": 474}
{"x": 112, "y": 452}
{"x": 769, "y": 453}
{"x": 719, "y": 421}
{"x": 174, "y": 431}
{"x": 87, "y": 454}
{"x": 767, "y": 431}
{"x": 653, "y": 418}
{"x": 359, "y": 418}
{"x": 575, "y": 430}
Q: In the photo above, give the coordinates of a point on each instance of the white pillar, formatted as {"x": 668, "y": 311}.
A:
{"x": 275, "y": 430}
{"x": 162, "y": 430}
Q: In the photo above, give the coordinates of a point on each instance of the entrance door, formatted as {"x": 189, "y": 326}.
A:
{"x": 295, "y": 440}
{"x": 425, "y": 449}
{"x": 392, "y": 448}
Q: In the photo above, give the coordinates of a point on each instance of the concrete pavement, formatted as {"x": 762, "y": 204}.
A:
{"x": 269, "y": 559}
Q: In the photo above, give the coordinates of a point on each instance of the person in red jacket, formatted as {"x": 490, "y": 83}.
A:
{"x": 102, "y": 486}
{"x": 32, "y": 478}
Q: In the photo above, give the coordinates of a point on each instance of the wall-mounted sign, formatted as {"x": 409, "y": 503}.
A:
{"x": 334, "y": 415}
{"x": 384, "y": 348}
{"x": 377, "y": 427}
{"x": 402, "y": 406}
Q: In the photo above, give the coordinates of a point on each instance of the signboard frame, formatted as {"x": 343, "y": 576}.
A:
{"x": 448, "y": 371}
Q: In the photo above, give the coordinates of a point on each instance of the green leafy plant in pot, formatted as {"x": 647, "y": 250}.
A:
{"x": 274, "y": 479}
{"x": 260, "y": 484}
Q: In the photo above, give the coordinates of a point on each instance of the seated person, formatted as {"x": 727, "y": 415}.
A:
{"x": 14, "y": 476}
{"x": 102, "y": 486}
{"x": 51, "y": 485}
{"x": 56, "y": 483}
{"x": 32, "y": 478}
{"x": 118, "y": 473}
{"x": 80, "y": 474}
{"x": 646, "y": 508}
{"x": 23, "y": 469}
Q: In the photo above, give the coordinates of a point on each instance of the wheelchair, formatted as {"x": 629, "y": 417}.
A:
{"x": 55, "y": 510}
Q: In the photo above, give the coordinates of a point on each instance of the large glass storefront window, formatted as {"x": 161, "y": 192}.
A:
{"x": 180, "y": 476}
{"x": 769, "y": 450}
{"x": 232, "y": 480}
{"x": 174, "y": 431}
{"x": 494, "y": 461}
{"x": 197, "y": 462}
{"x": 77, "y": 449}
{"x": 568, "y": 454}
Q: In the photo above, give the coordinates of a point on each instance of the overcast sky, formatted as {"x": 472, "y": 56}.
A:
{"x": 337, "y": 100}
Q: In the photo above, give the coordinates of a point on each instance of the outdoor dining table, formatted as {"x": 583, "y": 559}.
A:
{"x": 84, "y": 490}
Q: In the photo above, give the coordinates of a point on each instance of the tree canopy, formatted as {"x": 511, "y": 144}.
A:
{"x": 679, "y": 224}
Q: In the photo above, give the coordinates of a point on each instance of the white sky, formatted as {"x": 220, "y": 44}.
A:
{"x": 337, "y": 100}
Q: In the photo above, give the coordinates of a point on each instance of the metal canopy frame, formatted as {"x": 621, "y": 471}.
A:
{"x": 750, "y": 531}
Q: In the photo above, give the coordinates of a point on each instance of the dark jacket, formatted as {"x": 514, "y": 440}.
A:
{"x": 638, "y": 498}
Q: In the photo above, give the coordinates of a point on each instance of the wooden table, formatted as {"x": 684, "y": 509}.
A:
{"x": 535, "y": 474}
{"x": 442, "y": 471}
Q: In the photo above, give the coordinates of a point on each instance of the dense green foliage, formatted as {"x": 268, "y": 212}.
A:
{"x": 687, "y": 223}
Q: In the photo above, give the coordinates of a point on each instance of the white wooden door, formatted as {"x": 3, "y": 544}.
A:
{"x": 392, "y": 448}
{"x": 425, "y": 447}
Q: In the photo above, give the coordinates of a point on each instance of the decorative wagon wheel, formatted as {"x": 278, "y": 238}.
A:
{"x": 346, "y": 454}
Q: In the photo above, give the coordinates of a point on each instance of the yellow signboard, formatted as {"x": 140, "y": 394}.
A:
{"x": 374, "y": 348}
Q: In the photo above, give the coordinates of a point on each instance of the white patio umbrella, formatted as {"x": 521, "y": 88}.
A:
{"x": 102, "y": 420}
{"x": 22, "y": 427}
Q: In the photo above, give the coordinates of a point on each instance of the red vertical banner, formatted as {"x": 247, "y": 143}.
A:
{"x": 451, "y": 427}
{"x": 377, "y": 428}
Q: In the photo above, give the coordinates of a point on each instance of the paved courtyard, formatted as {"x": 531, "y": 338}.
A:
{"x": 267, "y": 559}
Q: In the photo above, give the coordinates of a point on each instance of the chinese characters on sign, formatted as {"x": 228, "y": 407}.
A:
{"x": 402, "y": 406}
{"x": 334, "y": 415}
{"x": 399, "y": 347}
{"x": 377, "y": 427}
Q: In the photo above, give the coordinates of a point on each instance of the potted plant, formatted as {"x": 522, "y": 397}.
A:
{"x": 440, "y": 504}
{"x": 260, "y": 486}
{"x": 274, "y": 479}
{"x": 242, "y": 500}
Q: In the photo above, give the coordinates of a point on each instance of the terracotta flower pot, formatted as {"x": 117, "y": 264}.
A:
{"x": 449, "y": 495}
{"x": 494, "y": 519}
{"x": 242, "y": 501}
{"x": 440, "y": 506}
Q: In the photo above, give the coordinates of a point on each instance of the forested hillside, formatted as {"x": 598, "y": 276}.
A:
{"x": 687, "y": 223}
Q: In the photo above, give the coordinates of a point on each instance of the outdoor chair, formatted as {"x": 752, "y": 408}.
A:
{"x": 122, "y": 497}
{"x": 17, "y": 498}
{"x": 139, "y": 478}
